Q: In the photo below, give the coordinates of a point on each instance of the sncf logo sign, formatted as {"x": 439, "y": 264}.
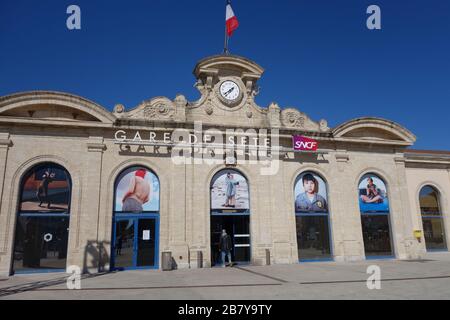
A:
{"x": 304, "y": 144}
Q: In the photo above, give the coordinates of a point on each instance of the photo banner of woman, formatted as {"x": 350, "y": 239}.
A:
{"x": 137, "y": 191}
{"x": 372, "y": 194}
{"x": 229, "y": 191}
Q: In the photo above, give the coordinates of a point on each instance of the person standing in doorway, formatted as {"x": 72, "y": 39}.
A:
{"x": 225, "y": 248}
{"x": 119, "y": 245}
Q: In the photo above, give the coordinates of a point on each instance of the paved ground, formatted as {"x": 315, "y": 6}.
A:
{"x": 427, "y": 279}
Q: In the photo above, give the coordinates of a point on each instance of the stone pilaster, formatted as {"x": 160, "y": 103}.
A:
{"x": 345, "y": 218}
{"x": 180, "y": 103}
{"x": 89, "y": 250}
{"x": 274, "y": 115}
{"x": 279, "y": 217}
{"x": 5, "y": 144}
{"x": 407, "y": 246}
{"x": 446, "y": 211}
{"x": 178, "y": 215}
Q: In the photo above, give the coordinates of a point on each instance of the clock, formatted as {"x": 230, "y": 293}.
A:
{"x": 229, "y": 91}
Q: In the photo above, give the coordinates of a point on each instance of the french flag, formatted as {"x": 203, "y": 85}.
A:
{"x": 231, "y": 20}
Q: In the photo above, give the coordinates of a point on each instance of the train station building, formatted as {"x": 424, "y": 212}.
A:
{"x": 124, "y": 189}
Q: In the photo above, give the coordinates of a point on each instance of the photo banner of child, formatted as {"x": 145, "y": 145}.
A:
{"x": 46, "y": 189}
{"x": 229, "y": 191}
{"x": 372, "y": 194}
{"x": 310, "y": 194}
{"x": 137, "y": 191}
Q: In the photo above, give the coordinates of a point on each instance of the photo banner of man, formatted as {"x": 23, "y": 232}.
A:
{"x": 229, "y": 191}
{"x": 137, "y": 190}
{"x": 46, "y": 189}
{"x": 310, "y": 194}
{"x": 372, "y": 193}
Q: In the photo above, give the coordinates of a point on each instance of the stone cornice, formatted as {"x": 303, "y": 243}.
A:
{"x": 405, "y": 137}
{"x": 423, "y": 156}
{"x": 56, "y": 123}
{"x": 58, "y": 98}
{"x": 248, "y": 67}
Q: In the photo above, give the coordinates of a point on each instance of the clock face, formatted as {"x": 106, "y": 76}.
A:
{"x": 229, "y": 90}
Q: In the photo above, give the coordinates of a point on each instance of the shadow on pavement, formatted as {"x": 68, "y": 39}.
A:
{"x": 8, "y": 291}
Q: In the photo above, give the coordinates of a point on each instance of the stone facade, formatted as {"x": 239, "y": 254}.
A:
{"x": 37, "y": 127}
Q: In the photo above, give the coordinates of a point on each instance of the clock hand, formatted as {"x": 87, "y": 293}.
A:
{"x": 228, "y": 92}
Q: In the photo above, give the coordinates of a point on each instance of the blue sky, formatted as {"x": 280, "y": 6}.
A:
{"x": 318, "y": 55}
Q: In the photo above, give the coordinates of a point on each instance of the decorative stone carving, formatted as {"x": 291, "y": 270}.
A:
{"x": 323, "y": 125}
{"x": 158, "y": 111}
{"x": 249, "y": 114}
{"x": 119, "y": 108}
{"x": 209, "y": 110}
{"x": 181, "y": 101}
{"x": 274, "y": 106}
{"x": 293, "y": 119}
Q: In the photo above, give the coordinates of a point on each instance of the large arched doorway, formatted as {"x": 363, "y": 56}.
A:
{"x": 312, "y": 218}
{"x": 135, "y": 234}
{"x": 42, "y": 228}
{"x": 375, "y": 211}
{"x": 230, "y": 211}
{"x": 432, "y": 221}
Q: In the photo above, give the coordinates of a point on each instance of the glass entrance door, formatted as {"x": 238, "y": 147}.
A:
{"x": 376, "y": 235}
{"x": 146, "y": 244}
{"x": 238, "y": 227}
{"x": 135, "y": 243}
{"x": 124, "y": 244}
{"x": 41, "y": 242}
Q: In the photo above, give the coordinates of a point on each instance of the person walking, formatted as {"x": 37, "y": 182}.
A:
{"x": 225, "y": 248}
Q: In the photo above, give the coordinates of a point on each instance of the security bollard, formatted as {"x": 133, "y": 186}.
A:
{"x": 267, "y": 257}
{"x": 199, "y": 259}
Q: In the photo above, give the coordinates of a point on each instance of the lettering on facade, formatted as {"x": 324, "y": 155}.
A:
{"x": 304, "y": 144}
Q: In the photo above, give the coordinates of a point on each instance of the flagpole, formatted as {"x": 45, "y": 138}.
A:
{"x": 225, "y": 50}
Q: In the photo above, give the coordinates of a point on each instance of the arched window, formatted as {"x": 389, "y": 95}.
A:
{"x": 230, "y": 211}
{"x": 312, "y": 218}
{"x": 135, "y": 240}
{"x": 42, "y": 228}
{"x": 374, "y": 208}
{"x": 433, "y": 224}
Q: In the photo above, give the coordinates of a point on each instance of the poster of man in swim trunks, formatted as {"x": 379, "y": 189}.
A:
{"x": 137, "y": 190}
